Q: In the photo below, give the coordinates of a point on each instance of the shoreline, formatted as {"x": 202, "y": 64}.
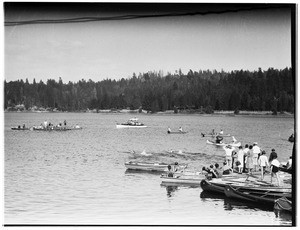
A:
{"x": 171, "y": 112}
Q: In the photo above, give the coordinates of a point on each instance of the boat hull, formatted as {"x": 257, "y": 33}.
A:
{"x": 146, "y": 166}
{"x": 182, "y": 179}
{"x": 218, "y": 186}
{"x": 130, "y": 126}
{"x": 266, "y": 197}
{"x": 214, "y": 135}
{"x": 223, "y": 144}
{"x": 16, "y": 128}
{"x": 177, "y": 132}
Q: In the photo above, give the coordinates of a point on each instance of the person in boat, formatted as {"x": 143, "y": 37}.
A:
{"x": 65, "y": 123}
{"x": 228, "y": 154}
{"x": 263, "y": 163}
{"x": 256, "y": 152}
{"x": 219, "y": 139}
{"x": 221, "y": 132}
{"x": 210, "y": 172}
{"x": 19, "y": 126}
{"x": 170, "y": 173}
{"x": 169, "y": 130}
{"x": 226, "y": 169}
{"x": 23, "y": 126}
{"x": 180, "y": 129}
{"x": 218, "y": 170}
{"x": 275, "y": 168}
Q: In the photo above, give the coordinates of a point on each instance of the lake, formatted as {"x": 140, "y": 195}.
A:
{"x": 79, "y": 177}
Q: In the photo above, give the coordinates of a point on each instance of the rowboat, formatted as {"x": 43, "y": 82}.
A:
{"x": 214, "y": 135}
{"x": 218, "y": 186}
{"x": 19, "y": 128}
{"x": 131, "y": 123}
{"x": 182, "y": 179}
{"x": 265, "y": 197}
{"x": 147, "y": 166}
{"x": 54, "y": 128}
{"x": 223, "y": 144}
{"x": 283, "y": 203}
{"x": 183, "y": 132}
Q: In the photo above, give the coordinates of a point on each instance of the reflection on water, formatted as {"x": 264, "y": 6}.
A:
{"x": 171, "y": 190}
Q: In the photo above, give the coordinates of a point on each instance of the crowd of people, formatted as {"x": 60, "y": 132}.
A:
{"x": 248, "y": 159}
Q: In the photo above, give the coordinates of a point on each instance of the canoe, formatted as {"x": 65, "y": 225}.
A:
{"x": 147, "y": 166}
{"x": 265, "y": 197}
{"x": 214, "y": 135}
{"x": 177, "y": 132}
{"x": 21, "y": 128}
{"x": 283, "y": 204}
{"x": 223, "y": 144}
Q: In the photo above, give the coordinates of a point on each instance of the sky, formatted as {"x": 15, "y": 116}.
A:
{"x": 115, "y": 49}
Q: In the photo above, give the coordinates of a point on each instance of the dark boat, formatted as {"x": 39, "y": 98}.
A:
{"x": 19, "y": 128}
{"x": 177, "y": 132}
{"x": 214, "y": 134}
{"x": 253, "y": 187}
{"x": 283, "y": 204}
{"x": 266, "y": 197}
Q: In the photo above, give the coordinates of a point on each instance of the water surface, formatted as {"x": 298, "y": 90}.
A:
{"x": 79, "y": 177}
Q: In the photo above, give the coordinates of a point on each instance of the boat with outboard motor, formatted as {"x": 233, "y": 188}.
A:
{"x": 131, "y": 123}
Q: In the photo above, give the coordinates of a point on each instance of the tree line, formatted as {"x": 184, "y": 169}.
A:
{"x": 203, "y": 90}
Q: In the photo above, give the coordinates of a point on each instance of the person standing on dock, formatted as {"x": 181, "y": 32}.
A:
{"x": 274, "y": 167}
{"x": 263, "y": 163}
{"x": 240, "y": 158}
{"x": 228, "y": 154}
{"x": 256, "y": 153}
{"x": 249, "y": 160}
{"x": 246, "y": 149}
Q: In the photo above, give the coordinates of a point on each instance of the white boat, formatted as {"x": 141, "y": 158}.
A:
{"x": 147, "y": 166}
{"x": 182, "y": 179}
{"x": 131, "y": 123}
{"x": 236, "y": 144}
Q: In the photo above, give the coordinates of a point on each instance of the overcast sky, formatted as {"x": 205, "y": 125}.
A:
{"x": 118, "y": 48}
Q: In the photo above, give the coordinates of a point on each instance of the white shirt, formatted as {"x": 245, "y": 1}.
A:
{"x": 275, "y": 162}
{"x": 256, "y": 150}
{"x": 263, "y": 160}
{"x": 228, "y": 151}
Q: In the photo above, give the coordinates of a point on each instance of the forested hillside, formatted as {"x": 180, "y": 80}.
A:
{"x": 203, "y": 90}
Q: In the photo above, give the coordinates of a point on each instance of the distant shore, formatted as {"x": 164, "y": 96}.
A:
{"x": 168, "y": 112}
